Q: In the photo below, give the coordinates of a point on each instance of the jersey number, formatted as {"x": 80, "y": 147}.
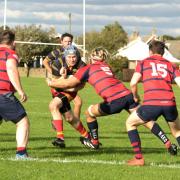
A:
{"x": 159, "y": 69}
{"x": 107, "y": 70}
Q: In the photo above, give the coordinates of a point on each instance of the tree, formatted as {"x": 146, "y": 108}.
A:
{"x": 177, "y": 38}
{"x": 117, "y": 65}
{"x": 93, "y": 39}
{"x": 113, "y": 37}
{"x": 32, "y": 33}
{"x": 167, "y": 37}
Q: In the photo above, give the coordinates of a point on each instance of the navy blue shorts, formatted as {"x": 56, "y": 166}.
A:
{"x": 148, "y": 113}
{"x": 10, "y": 108}
{"x": 116, "y": 106}
{"x": 66, "y": 105}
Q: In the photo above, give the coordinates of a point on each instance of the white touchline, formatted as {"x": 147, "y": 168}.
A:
{"x": 92, "y": 161}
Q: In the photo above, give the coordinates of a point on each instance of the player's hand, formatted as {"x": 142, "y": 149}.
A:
{"x": 48, "y": 81}
{"x": 63, "y": 72}
{"x": 137, "y": 98}
{"x": 23, "y": 96}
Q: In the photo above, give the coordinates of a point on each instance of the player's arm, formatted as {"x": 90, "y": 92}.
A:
{"x": 75, "y": 89}
{"x": 47, "y": 65}
{"x": 133, "y": 84}
{"x": 12, "y": 71}
{"x": 64, "y": 83}
{"x": 177, "y": 80}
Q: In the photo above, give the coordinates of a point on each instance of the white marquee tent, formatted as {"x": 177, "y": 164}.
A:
{"x": 139, "y": 50}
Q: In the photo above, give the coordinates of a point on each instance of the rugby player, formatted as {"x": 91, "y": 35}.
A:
{"x": 55, "y": 60}
{"x": 157, "y": 76}
{"x": 114, "y": 93}
{"x": 11, "y": 108}
{"x": 66, "y": 64}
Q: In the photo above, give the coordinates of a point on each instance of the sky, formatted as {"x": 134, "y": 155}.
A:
{"x": 133, "y": 15}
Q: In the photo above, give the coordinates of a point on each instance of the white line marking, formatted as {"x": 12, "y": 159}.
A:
{"x": 92, "y": 161}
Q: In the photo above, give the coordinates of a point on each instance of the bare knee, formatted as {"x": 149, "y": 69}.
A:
{"x": 78, "y": 102}
{"x": 130, "y": 123}
{"x": 89, "y": 116}
{"x": 54, "y": 106}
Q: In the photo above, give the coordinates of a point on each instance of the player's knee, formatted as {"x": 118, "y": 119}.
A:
{"x": 130, "y": 123}
{"x": 53, "y": 106}
{"x": 78, "y": 102}
{"x": 89, "y": 112}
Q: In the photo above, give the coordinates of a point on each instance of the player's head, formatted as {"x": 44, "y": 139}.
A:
{"x": 157, "y": 47}
{"x": 66, "y": 39}
{"x": 70, "y": 55}
{"x": 99, "y": 54}
{"x": 7, "y": 37}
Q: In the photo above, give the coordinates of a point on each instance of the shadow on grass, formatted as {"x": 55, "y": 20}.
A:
{"x": 142, "y": 132}
{"x": 74, "y": 151}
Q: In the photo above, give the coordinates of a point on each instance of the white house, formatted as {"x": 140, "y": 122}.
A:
{"x": 138, "y": 50}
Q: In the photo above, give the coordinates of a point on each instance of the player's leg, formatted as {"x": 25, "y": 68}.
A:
{"x": 92, "y": 112}
{"x": 77, "y": 106}
{"x": 148, "y": 113}
{"x": 22, "y": 136}
{"x": 155, "y": 129}
{"x": 12, "y": 109}
{"x": 57, "y": 122}
{"x": 75, "y": 122}
{"x": 102, "y": 109}
{"x": 143, "y": 115}
{"x": 131, "y": 124}
{"x": 171, "y": 116}
{"x": 175, "y": 129}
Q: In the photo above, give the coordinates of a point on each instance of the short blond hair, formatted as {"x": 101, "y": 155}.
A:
{"x": 99, "y": 53}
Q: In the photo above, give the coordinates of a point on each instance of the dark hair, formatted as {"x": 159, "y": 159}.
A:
{"x": 66, "y": 35}
{"x": 157, "y": 47}
{"x": 7, "y": 37}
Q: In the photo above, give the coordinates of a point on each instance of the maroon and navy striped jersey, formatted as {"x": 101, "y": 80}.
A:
{"x": 157, "y": 77}
{"x": 100, "y": 76}
{"x": 5, "y": 84}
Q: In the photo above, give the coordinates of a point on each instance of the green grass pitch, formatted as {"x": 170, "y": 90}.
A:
{"x": 75, "y": 161}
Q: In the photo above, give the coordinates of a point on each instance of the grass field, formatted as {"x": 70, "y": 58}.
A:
{"x": 75, "y": 161}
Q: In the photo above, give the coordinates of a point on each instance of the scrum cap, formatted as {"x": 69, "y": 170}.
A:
{"x": 70, "y": 50}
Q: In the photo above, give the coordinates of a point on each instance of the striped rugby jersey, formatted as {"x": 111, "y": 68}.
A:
{"x": 100, "y": 76}
{"x": 157, "y": 77}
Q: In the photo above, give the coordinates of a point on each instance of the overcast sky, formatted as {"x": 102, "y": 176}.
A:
{"x": 133, "y": 15}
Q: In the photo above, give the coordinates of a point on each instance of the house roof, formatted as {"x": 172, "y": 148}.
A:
{"x": 139, "y": 50}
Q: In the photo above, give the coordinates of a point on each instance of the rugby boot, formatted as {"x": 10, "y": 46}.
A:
{"x": 136, "y": 162}
{"x": 59, "y": 142}
{"x": 172, "y": 150}
{"x": 90, "y": 143}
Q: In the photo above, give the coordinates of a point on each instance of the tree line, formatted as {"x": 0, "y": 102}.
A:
{"x": 112, "y": 37}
